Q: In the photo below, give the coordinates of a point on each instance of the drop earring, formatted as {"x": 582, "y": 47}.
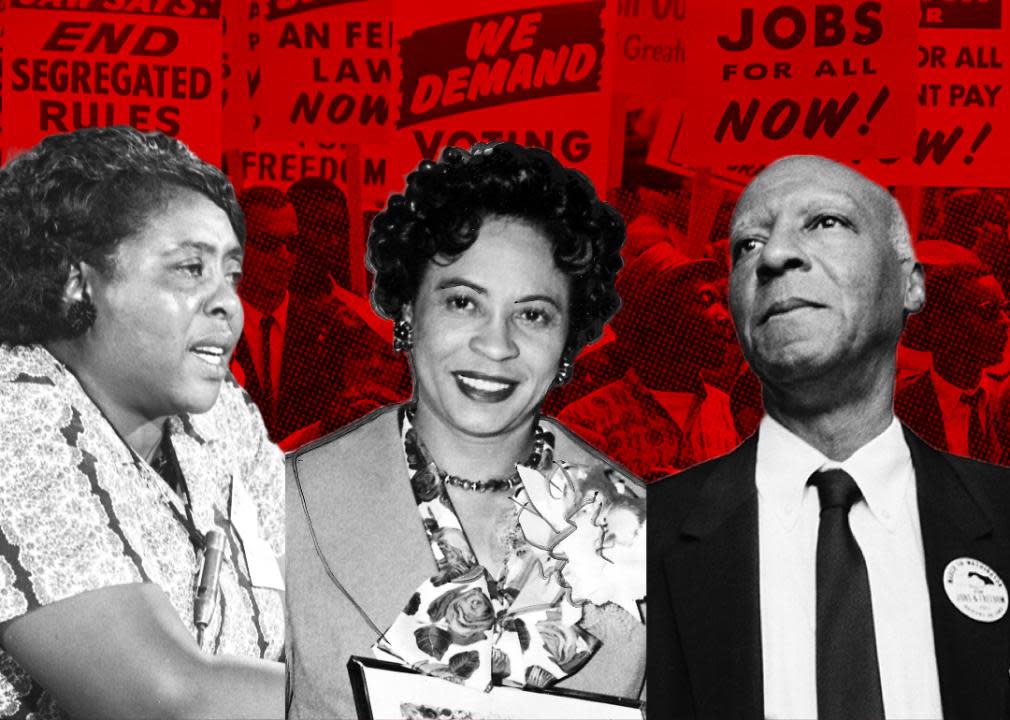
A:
{"x": 403, "y": 336}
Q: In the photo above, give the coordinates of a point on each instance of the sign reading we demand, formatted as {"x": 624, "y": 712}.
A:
{"x": 155, "y": 65}
{"x": 537, "y": 75}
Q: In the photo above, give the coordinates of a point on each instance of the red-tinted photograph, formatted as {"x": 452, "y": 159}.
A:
{"x": 344, "y": 344}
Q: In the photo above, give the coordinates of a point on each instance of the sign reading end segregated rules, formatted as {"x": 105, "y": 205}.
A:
{"x": 86, "y": 63}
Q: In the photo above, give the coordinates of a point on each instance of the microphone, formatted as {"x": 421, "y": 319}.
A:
{"x": 205, "y": 599}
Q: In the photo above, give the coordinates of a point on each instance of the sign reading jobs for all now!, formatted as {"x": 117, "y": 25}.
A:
{"x": 773, "y": 77}
{"x": 155, "y": 65}
{"x": 537, "y": 75}
{"x": 326, "y": 70}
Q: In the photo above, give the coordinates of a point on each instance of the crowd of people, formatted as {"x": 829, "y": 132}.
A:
{"x": 655, "y": 411}
{"x": 141, "y": 486}
{"x": 313, "y": 355}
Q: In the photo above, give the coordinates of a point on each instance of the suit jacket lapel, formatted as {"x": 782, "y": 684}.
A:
{"x": 955, "y": 526}
{"x": 715, "y": 590}
{"x": 243, "y": 357}
{"x": 298, "y": 364}
{"x": 291, "y": 350}
{"x": 917, "y": 405}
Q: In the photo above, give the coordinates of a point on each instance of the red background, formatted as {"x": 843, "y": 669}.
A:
{"x": 645, "y": 132}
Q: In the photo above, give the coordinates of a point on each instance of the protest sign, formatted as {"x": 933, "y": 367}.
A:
{"x": 279, "y": 164}
{"x": 155, "y": 65}
{"x": 536, "y": 75}
{"x": 240, "y": 76}
{"x": 772, "y": 77}
{"x": 961, "y": 131}
{"x": 650, "y": 47}
{"x": 325, "y": 69}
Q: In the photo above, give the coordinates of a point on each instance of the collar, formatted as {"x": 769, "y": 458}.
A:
{"x": 785, "y": 463}
{"x": 949, "y": 395}
{"x": 117, "y": 451}
{"x": 635, "y": 384}
{"x": 280, "y": 314}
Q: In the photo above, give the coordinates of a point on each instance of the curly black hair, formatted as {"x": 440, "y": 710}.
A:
{"x": 73, "y": 198}
{"x": 441, "y": 210}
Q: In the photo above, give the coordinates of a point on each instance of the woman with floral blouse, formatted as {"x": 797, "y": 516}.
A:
{"x": 464, "y": 535}
{"x": 124, "y": 442}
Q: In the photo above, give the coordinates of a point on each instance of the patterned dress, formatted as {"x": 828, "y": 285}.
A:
{"x": 79, "y": 511}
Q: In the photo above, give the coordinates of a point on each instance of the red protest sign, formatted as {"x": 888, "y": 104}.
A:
{"x": 281, "y": 164}
{"x": 651, "y": 47}
{"x": 240, "y": 74}
{"x": 962, "y": 129}
{"x": 326, "y": 70}
{"x": 537, "y": 75}
{"x": 155, "y": 66}
{"x": 773, "y": 77}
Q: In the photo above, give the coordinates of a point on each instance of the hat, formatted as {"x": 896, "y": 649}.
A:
{"x": 644, "y": 282}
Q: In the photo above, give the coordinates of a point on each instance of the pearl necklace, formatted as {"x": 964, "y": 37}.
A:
{"x": 509, "y": 482}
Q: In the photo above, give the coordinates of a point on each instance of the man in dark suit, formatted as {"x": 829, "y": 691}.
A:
{"x": 294, "y": 349}
{"x": 951, "y": 404}
{"x": 827, "y": 567}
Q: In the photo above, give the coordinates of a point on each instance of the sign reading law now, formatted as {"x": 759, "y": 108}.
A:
{"x": 154, "y": 65}
{"x": 326, "y": 70}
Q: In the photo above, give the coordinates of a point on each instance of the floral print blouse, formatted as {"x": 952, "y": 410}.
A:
{"x": 79, "y": 511}
{"x": 521, "y": 628}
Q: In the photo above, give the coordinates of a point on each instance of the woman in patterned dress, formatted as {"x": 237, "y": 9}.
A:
{"x": 124, "y": 441}
{"x": 426, "y": 533}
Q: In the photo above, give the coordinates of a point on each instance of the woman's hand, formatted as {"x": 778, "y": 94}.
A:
{"x": 122, "y": 652}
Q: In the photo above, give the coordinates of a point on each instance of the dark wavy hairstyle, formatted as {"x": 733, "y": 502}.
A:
{"x": 76, "y": 197}
{"x": 441, "y": 211}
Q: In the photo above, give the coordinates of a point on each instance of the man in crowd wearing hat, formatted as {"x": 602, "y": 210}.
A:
{"x": 834, "y": 565}
{"x": 660, "y": 416}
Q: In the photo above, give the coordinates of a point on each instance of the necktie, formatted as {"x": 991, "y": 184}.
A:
{"x": 266, "y": 323}
{"x": 848, "y": 678}
{"x": 978, "y": 441}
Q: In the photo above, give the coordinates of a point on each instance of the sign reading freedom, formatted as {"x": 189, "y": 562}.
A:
{"x": 155, "y": 68}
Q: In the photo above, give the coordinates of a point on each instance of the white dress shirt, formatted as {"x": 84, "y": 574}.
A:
{"x": 886, "y": 526}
